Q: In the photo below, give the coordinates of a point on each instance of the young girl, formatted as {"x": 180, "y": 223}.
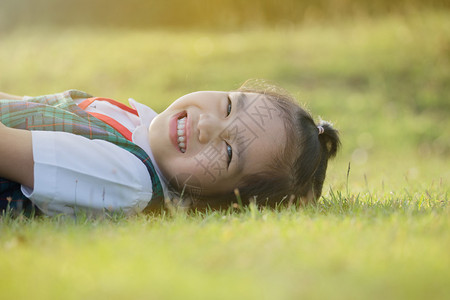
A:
{"x": 72, "y": 152}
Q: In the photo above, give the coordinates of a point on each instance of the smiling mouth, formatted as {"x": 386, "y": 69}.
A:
{"x": 181, "y": 133}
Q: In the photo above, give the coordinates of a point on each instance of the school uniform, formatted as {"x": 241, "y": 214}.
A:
{"x": 89, "y": 154}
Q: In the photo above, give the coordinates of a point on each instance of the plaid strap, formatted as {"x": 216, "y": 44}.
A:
{"x": 59, "y": 112}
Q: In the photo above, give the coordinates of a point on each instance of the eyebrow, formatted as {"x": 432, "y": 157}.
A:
{"x": 240, "y": 101}
{"x": 240, "y": 157}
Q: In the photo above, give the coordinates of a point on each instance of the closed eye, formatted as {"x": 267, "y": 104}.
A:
{"x": 229, "y": 154}
{"x": 229, "y": 106}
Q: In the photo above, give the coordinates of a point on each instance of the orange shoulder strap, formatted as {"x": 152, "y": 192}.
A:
{"x": 108, "y": 120}
{"x": 120, "y": 105}
{"x": 114, "y": 124}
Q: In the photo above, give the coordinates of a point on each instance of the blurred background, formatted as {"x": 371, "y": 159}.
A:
{"x": 378, "y": 69}
{"x": 201, "y": 14}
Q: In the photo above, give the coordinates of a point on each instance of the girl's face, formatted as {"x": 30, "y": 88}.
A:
{"x": 208, "y": 141}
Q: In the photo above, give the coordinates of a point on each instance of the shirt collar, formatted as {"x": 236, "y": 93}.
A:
{"x": 140, "y": 135}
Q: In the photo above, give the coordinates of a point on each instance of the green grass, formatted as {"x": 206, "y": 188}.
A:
{"x": 383, "y": 232}
{"x": 391, "y": 248}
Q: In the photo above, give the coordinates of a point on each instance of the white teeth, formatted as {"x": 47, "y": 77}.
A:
{"x": 181, "y": 123}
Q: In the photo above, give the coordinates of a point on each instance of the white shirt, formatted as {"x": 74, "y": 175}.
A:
{"x": 73, "y": 173}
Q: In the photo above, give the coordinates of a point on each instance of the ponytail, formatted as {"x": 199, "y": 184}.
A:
{"x": 329, "y": 139}
{"x": 329, "y": 145}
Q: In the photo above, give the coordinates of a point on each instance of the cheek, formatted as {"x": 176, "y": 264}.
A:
{"x": 195, "y": 174}
{"x": 211, "y": 164}
{"x": 208, "y": 172}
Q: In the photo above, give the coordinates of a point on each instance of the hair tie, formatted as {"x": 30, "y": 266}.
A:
{"x": 321, "y": 130}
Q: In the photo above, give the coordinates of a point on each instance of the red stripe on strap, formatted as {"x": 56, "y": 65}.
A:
{"x": 114, "y": 124}
{"x": 84, "y": 104}
{"x": 108, "y": 120}
{"x": 88, "y": 101}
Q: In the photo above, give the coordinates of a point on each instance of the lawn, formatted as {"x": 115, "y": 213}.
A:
{"x": 382, "y": 228}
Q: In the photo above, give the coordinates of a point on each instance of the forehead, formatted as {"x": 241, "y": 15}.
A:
{"x": 257, "y": 131}
{"x": 259, "y": 109}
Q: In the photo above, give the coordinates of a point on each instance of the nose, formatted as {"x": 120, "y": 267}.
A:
{"x": 209, "y": 127}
